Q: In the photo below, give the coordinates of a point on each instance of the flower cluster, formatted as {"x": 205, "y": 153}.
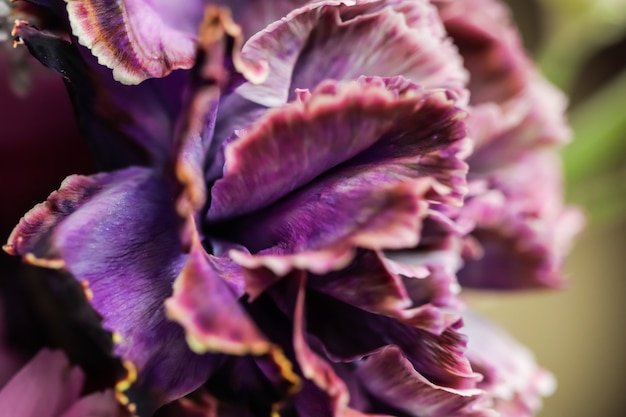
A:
{"x": 291, "y": 195}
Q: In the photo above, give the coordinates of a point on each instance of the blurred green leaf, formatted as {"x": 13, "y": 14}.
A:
{"x": 600, "y": 132}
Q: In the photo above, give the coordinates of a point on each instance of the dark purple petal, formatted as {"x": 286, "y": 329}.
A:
{"x": 438, "y": 357}
{"x": 314, "y": 367}
{"x": 119, "y": 233}
{"x": 321, "y": 235}
{"x": 491, "y": 48}
{"x": 255, "y": 384}
{"x": 365, "y": 283}
{"x": 368, "y": 284}
{"x": 207, "y": 307}
{"x": 196, "y": 127}
{"x": 46, "y": 308}
{"x": 123, "y": 125}
{"x": 398, "y": 37}
{"x": 375, "y": 200}
{"x": 335, "y": 124}
{"x": 521, "y": 226}
{"x": 401, "y": 135}
{"x": 200, "y": 136}
{"x": 391, "y": 378}
{"x": 534, "y": 119}
{"x": 512, "y": 379}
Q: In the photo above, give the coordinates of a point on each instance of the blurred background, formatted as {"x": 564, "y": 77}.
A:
{"x": 579, "y": 334}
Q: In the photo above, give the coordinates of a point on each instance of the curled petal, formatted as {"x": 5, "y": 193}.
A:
{"x": 137, "y": 39}
{"x": 86, "y": 224}
{"x": 365, "y": 283}
{"x": 492, "y": 49}
{"x": 211, "y": 75}
{"x": 438, "y": 357}
{"x": 429, "y": 271}
{"x": 368, "y": 284}
{"x": 208, "y": 309}
{"x": 386, "y": 218}
{"x": 532, "y": 120}
{"x": 398, "y": 37}
{"x": 389, "y": 138}
{"x": 314, "y": 367}
{"x": 522, "y": 229}
{"x": 390, "y": 377}
{"x": 374, "y": 200}
{"x": 338, "y": 122}
{"x": 29, "y": 235}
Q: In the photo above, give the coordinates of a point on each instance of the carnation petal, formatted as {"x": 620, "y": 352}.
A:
{"x": 391, "y": 378}
{"x": 376, "y": 200}
{"x": 137, "y": 39}
{"x": 365, "y": 283}
{"x": 532, "y": 120}
{"x": 492, "y": 49}
{"x": 44, "y": 387}
{"x": 521, "y": 226}
{"x": 123, "y": 125}
{"x": 438, "y": 357}
{"x": 290, "y": 146}
{"x": 321, "y": 235}
{"x": 512, "y": 379}
{"x": 118, "y": 232}
{"x": 390, "y": 38}
{"x": 299, "y": 47}
{"x": 313, "y": 367}
{"x": 209, "y": 310}
{"x": 99, "y": 404}
{"x": 339, "y": 121}
{"x": 368, "y": 284}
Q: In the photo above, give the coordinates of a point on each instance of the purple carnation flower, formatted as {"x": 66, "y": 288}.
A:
{"x": 279, "y": 221}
